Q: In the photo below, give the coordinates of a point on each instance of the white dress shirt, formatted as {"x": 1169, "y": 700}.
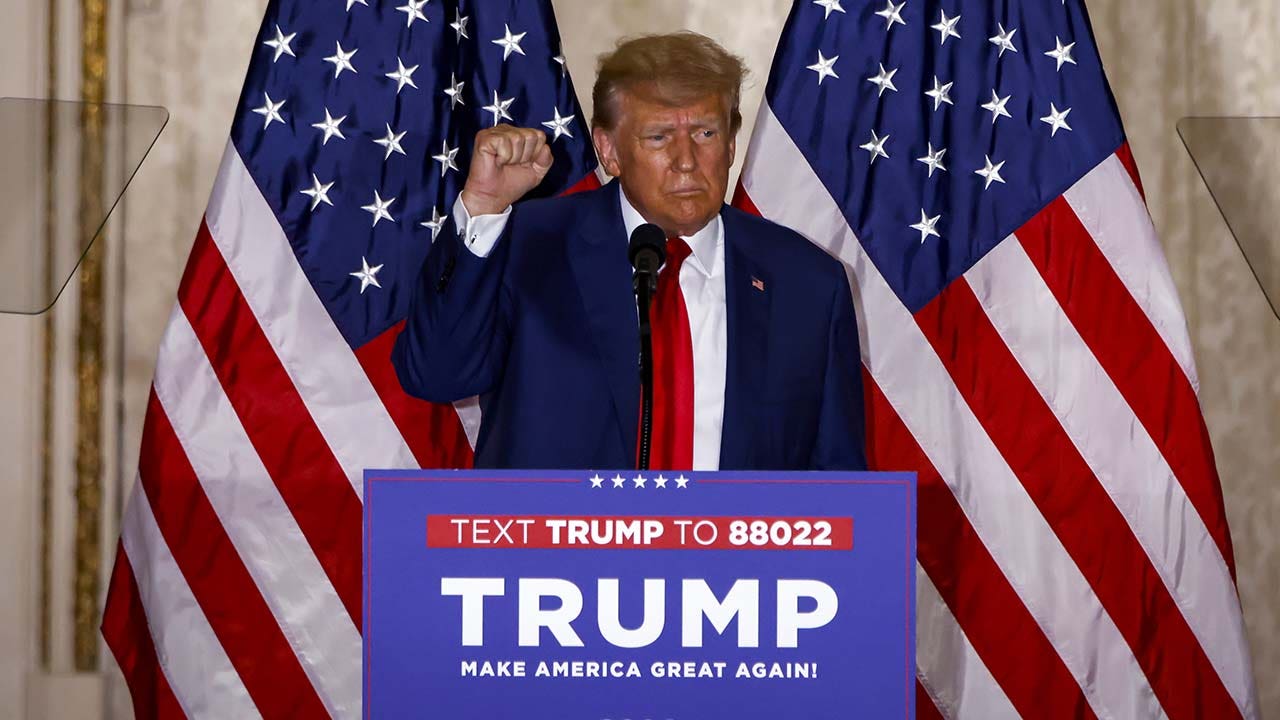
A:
{"x": 703, "y": 286}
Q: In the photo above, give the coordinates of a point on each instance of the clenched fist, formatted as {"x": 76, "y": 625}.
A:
{"x": 508, "y": 162}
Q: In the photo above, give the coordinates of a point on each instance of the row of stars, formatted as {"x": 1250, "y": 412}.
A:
{"x": 825, "y": 66}
{"x": 1056, "y": 120}
{"x": 282, "y": 45}
{"x": 640, "y": 481}
{"x": 947, "y": 28}
{"x": 331, "y": 127}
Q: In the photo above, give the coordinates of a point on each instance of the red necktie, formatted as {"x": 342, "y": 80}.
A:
{"x": 672, "y": 447}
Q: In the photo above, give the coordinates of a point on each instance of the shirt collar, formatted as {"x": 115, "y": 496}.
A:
{"x": 707, "y": 244}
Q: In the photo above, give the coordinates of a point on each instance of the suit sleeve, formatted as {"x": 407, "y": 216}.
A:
{"x": 841, "y": 443}
{"x": 454, "y": 342}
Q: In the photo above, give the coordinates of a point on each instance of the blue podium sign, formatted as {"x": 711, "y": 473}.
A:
{"x": 583, "y": 595}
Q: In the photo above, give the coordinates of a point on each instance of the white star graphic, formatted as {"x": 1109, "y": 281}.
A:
{"x": 380, "y": 209}
{"x": 830, "y": 6}
{"x": 435, "y": 224}
{"x": 934, "y": 159}
{"x": 940, "y": 93}
{"x": 510, "y": 43}
{"x": 825, "y": 67}
{"x": 392, "y": 142}
{"x": 403, "y": 76}
{"x": 353, "y": 2}
{"x": 884, "y": 80}
{"x": 367, "y": 275}
{"x": 329, "y": 126}
{"x": 991, "y": 173}
{"x": 454, "y": 91}
{"x": 928, "y": 226}
{"x": 1062, "y": 53}
{"x": 281, "y": 44}
{"x": 618, "y": 481}
{"x": 997, "y": 107}
{"x": 893, "y": 14}
{"x": 499, "y": 108}
{"x": 559, "y": 125}
{"x": 660, "y": 482}
{"x": 413, "y": 11}
{"x": 446, "y": 158}
{"x": 1004, "y": 40}
{"x": 597, "y": 481}
{"x": 639, "y": 481}
{"x": 682, "y": 482}
{"x": 1056, "y": 120}
{"x": 342, "y": 61}
{"x": 564, "y": 67}
{"x": 270, "y": 111}
{"x": 946, "y": 27}
{"x": 876, "y": 147}
{"x": 318, "y": 192}
{"x": 460, "y": 26}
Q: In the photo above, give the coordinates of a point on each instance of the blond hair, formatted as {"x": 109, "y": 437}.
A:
{"x": 673, "y": 69}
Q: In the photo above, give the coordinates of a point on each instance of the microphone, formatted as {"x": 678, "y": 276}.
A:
{"x": 647, "y": 250}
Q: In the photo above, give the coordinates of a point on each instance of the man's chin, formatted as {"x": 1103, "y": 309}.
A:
{"x": 691, "y": 222}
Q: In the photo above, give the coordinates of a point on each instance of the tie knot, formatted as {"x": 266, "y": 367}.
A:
{"x": 677, "y": 251}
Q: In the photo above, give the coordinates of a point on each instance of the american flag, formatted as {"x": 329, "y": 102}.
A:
{"x": 1025, "y": 351}
{"x": 236, "y": 588}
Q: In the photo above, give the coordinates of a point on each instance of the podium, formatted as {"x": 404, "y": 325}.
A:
{"x": 622, "y": 594}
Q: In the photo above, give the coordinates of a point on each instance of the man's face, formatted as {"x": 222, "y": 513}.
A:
{"x": 673, "y": 162}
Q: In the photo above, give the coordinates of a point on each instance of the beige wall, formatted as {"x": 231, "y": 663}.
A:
{"x": 1174, "y": 59}
{"x": 21, "y": 38}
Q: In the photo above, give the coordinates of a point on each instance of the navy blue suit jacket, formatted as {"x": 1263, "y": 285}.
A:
{"x": 545, "y": 331}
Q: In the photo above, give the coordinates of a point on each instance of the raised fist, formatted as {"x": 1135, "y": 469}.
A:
{"x": 508, "y": 162}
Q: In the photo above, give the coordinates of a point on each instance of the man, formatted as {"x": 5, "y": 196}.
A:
{"x": 755, "y": 341}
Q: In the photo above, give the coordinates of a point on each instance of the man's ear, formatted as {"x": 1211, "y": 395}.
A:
{"x": 606, "y": 150}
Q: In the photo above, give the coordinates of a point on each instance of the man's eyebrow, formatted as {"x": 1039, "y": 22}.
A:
{"x": 710, "y": 121}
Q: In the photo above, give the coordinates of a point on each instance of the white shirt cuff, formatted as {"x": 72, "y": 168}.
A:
{"x": 479, "y": 233}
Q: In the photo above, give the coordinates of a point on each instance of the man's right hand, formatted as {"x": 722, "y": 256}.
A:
{"x": 508, "y": 162}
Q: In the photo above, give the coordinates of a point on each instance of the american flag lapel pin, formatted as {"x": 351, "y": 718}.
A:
{"x": 757, "y": 283}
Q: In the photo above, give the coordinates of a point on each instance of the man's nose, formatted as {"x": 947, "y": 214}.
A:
{"x": 684, "y": 159}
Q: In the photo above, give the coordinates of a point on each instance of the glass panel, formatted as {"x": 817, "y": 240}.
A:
{"x": 1239, "y": 159}
{"x": 63, "y": 168}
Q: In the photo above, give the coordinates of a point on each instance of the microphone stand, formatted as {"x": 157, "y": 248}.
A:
{"x": 646, "y": 286}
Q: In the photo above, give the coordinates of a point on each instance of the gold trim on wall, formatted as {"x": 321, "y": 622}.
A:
{"x": 89, "y": 343}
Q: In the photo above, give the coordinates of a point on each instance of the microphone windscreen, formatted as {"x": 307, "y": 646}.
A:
{"x": 648, "y": 248}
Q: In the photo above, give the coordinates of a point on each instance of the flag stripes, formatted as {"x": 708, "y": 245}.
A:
{"x": 1064, "y": 488}
{"x": 191, "y": 655}
{"x": 342, "y": 402}
{"x": 150, "y": 691}
{"x": 275, "y": 419}
{"x": 1183, "y": 570}
{"x": 1155, "y": 387}
{"x": 1025, "y": 405}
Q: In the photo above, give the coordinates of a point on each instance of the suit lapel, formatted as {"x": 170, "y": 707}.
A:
{"x": 599, "y": 260}
{"x": 747, "y": 299}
